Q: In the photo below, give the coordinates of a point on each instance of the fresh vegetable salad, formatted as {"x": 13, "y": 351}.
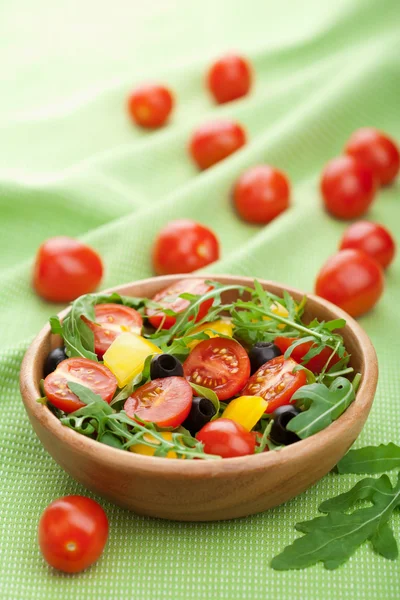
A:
{"x": 188, "y": 374}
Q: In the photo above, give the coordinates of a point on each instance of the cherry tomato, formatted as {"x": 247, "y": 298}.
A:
{"x": 111, "y": 321}
{"x": 226, "y": 438}
{"x": 348, "y": 187}
{"x": 150, "y": 105}
{"x": 73, "y": 531}
{"x": 66, "y": 269}
{"x": 169, "y": 297}
{"x": 165, "y": 402}
{"x": 371, "y": 238}
{"x": 376, "y": 150}
{"x": 219, "y": 364}
{"x": 183, "y": 246}
{"x": 315, "y": 364}
{"x": 215, "y": 141}
{"x": 261, "y": 193}
{"x": 275, "y": 382}
{"x": 352, "y": 280}
{"x": 87, "y": 372}
{"x": 229, "y": 78}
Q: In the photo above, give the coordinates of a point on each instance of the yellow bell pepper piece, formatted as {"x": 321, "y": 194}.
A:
{"x": 223, "y": 326}
{"x": 246, "y": 410}
{"x": 148, "y": 450}
{"x": 126, "y": 356}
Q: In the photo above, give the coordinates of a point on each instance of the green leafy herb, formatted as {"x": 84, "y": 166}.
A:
{"x": 264, "y": 440}
{"x": 371, "y": 459}
{"x": 84, "y": 393}
{"x": 332, "y": 539}
{"x": 210, "y": 395}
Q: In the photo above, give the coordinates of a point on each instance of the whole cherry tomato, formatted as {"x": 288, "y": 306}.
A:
{"x": 348, "y": 187}
{"x": 376, "y": 150}
{"x": 65, "y": 269}
{"x": 73, "y": 531}
{"x": 215, "y": 141}
{"x": 261, "y": 193}
{"x": 229, "y": 78}
{"x": 150, "y": 105}
{"x": 183, "y": 246}
{"x": 351, "y": 280}
{"x": 226, "y": 438}
{"x": 373, "y": 239}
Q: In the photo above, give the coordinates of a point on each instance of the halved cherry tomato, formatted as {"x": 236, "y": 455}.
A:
{"x": 376, "y": 150}
{"x": 275, "y": 382}
{"x": 165, "y": 402}
{"x": 169, "y": 298}
{"x": 150, "y": 105}
{"x": 111, "y": 321}
{"x": 65, "y": 269}
{"x": 214, "y": 141}
{"x": 229, "y": 78}
{"x": 315, "y": 364}
{"x": 183, "y": 246}
{"x": 88, "y": 373}
{"x": 371, "y": 238}
{"x": 73, "y": 531}
{"x": 226, "y": 438}
{"x": 219, "y": 364}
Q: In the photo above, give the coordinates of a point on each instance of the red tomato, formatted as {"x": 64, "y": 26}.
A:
{"x": 215, "y": 141}
{"x": 165, "y": 402}
{"x": 348, "y": 187}
{"x": 226, "y": 438}
{"x": 275, "y": 382}
{"x": 352, "y": 280}
{"x": 66, "y": 269}
{"x": 150, "y": 105}
{"x": 261, "y": 193}
{"x": 315, "y": 364}
{"x": 169, "y": 297}
{"x": 229, "y": 78}
{"x": 183, "y": 246}
{"x": 111, "y": 321}
{"x": 376, "y": 150}
{"x": 371, "y": 238}
{"x": 219, "y": 364}
{"x": 72, "y": 533}
{"x": 87, "y": 372}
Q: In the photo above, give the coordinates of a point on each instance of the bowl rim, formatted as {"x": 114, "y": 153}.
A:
{"x": 176, "y": 468}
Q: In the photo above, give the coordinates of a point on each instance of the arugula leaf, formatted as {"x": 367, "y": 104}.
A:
{"x": 334, "y": 538}
{"x": 371, "y": 459}
{"x": 323, "y": 405}
{"x": 84, "y": 393}
{"x": 210, "y": 395}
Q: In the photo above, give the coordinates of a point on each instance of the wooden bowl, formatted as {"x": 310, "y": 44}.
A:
{"x": 186, "y": 490}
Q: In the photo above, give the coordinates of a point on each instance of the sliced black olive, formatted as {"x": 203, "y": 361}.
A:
{"x": 202, "y": 412}
{"x": 53, "y": 360}
{"x": 165, "y": 365}
{"x": 281, "y": 416}
{"x": 261, "y": 353}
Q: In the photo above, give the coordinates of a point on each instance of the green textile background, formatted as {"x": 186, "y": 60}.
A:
{"x": 71, "y": 163}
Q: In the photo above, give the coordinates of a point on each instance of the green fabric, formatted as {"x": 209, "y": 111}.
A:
{"x": 71, "y": 163}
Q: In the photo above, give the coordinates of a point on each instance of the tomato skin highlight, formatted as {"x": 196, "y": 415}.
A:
{"x": 150, "y": 105}
{"x": 88, "y": 373}
{"x": 348, "y": 187}
{"x": 377, "y": 151}
{"x": 351, "y": 280}
{"x": 193, "y": 286}
{"x": 226, "y": 438}
{"x": 183, "y": 246}
{"x": 165, "y": 402}
{"x": 373, "y": 239}
{"x": 275, "y": 382}
{"x": 72, "y": 533}
{"x": 229, "y": 78}
{"x": 261, "y": 194}
{"x": 219, "y": 364}
{"x": 214, "y": 141}
{"x": 66, "y": 269}
{"x": 315, "y": 364}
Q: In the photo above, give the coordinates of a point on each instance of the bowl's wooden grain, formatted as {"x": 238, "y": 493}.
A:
{"x": 202, "y": 490}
